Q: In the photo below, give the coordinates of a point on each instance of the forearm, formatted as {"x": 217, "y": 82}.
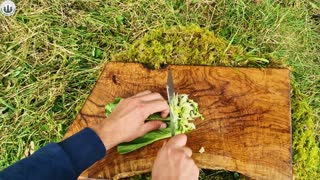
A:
{"x": 65, "y": 160}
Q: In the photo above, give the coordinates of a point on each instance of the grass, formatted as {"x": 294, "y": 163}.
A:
{"x": 51, "y": 53}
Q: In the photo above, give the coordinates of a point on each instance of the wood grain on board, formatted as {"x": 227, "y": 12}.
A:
{"x": 247, "y": 126}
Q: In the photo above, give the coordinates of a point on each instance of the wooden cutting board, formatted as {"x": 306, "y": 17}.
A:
{"x": 247, "y": 126}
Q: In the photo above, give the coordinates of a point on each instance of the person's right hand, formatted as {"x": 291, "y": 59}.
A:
{"x": 127, "y": 121}
{"x": 174, "y": 161}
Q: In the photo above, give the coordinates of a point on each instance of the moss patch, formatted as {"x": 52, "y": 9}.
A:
{"x": 190, "y": 45}
{"x": 193, "y": 45}
{"x": 306, "y": 153}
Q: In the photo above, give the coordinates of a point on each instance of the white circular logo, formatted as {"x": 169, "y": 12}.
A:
{"x": 7, "y": 8}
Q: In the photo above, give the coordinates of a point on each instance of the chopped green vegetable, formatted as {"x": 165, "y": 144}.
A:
{"x": 185, "y": 111}
{"x": 110, "y": 107}
{"x": 201, "y": 150}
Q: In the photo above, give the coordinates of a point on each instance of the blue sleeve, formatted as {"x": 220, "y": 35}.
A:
{"x": 65, "y": 160}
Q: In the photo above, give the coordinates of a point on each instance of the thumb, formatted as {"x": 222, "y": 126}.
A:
{"x": 153, "y": 125}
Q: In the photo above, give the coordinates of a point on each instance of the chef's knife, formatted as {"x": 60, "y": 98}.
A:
{"x": 171, "y": 94}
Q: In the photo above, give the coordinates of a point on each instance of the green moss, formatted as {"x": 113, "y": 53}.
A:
{"x": 190, "y": 45}
{"x": 306, "y": 154}
{"x": 193, "y": 45}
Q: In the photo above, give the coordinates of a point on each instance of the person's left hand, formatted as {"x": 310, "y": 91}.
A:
{"x": 126, "y": 122}
{"x": 174, "y": 162}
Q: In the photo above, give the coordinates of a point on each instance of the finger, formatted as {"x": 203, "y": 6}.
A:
{"x": 142, "y": 93}
{"x": 151, "y": 97}
{"x": 196, "y": 170}
{"x": 193, "y": 169}
{"x": 152, "y": 125}
{"x": 187, "y": 151}
{"x": 177, "y": 141}
{"x": 164, "y": 143}
{"x": 155, "y": 106}
{"x": 165, "y": 113}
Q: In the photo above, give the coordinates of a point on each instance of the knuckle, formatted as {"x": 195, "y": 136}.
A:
{"x": 132, "y": 99}
{"x": 133, "y": 102}
{"x": 140, "y": 106}
{"x": 162, "y": 151}
{"x": 158, "y": 95}
{"x": 127, "y": 100}
{"x": 188, "y": 150}
{"x": 164, "y": 102}
{"x": 180, "y": 154}
{"x": 170, "y": 151}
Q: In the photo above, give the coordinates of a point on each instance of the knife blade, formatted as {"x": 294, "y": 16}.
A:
{"x": 171, "y": 94}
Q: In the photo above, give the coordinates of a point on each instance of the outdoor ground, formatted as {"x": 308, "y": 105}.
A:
{"x": 51, "y": 53}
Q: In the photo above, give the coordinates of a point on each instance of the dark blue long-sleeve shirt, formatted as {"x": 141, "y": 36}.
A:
{"x": 65, "y": 160}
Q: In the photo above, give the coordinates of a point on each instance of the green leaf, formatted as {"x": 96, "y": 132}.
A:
{"x": 111, "y": 106}
{"x": 144, "y": 140}
{"x": 96, "y": 52}
{"x": 157, "y": 116}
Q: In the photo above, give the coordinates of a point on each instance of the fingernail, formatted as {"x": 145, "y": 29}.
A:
{"x": 164, "y": 125}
